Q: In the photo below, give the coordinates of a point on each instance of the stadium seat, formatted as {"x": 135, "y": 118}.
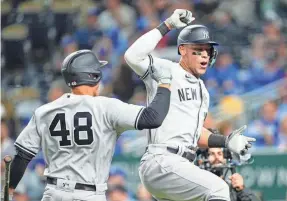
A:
{"x": 34, "y": 15}
{"x": 14, "y": 38}
{"x": 5, "y": 11}
{"x": 64, "y": 17}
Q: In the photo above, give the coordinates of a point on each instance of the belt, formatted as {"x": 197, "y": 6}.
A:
{"x": 85, "y": 187}
{"x": 189, "y": 155}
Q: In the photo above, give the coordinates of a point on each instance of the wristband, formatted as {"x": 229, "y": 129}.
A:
{"x": 163, "y": 29}
{"x": 216, "y": 140}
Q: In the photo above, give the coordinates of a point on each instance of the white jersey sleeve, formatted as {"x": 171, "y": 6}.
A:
{"x": 138, "y": 56}
{"x": 124, "y": 116}
{"x": 29, "y": 139}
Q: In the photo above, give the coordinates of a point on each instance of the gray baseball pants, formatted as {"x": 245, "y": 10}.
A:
{"x": 170, "y": 177}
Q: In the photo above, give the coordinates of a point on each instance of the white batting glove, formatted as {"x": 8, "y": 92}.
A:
{"x": 180, "y": 18}
{"x": 238, "y": 143}
{"x": 162, "y": 75}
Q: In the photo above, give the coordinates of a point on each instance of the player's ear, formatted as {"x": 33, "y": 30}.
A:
{"x": 182, "y": 50}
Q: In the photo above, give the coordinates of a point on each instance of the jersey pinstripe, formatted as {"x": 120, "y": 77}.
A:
{"x": 188, "y": 107}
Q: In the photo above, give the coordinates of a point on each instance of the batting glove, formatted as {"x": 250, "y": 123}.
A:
{"x": 180, "y": 18}
{"x": 162, "y": 75}
{"x": 238, "y": 143}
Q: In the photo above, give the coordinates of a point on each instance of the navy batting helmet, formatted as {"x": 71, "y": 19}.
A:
{"x": 82, "y": 68}
{"x": 197, "y": 34}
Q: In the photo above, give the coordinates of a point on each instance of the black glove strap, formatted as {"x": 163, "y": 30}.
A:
{"x": 163, "y": 29}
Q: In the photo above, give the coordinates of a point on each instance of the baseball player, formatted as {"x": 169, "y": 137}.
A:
{"x": 78, "y": 131}
{"x": 166, "y": 169}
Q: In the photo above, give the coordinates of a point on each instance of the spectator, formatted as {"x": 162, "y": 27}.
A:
{"x": 123, "y": 86}
{"x": 282, "y": 109}
{"x": 118, "y": 193}
{"x": 267, "y": 9}
{"x": 148, "y": 18}
{"x": 67, "y": 45}
{"x": 258, "y": 46}
{"x": 182, "y": 4}
{"x": 272, "y": 32}
{"x": 283, "y": 135}
{"x": 143, "y": 194}
{"x": 266, "y": 128}
{"x": 87, "y": 36}
{"x": 270, "y": 72}
{"x": 238, "y": 191}
{"x": 222, "y": 79}
{"x": 243, "y": 11}
{"x": 139, "y": 96}
{"x": 226, "y": 30}
{"x": 117, "y": 177}
{"x": 205, "y": 8}
{"x": 107, "y": 50}
{"x": 118, "y": 15}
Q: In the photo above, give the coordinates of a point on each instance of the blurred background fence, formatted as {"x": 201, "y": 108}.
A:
{"x": 247, "y": 85}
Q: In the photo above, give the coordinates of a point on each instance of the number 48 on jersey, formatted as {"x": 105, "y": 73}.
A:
{"x": 64, "y": 133}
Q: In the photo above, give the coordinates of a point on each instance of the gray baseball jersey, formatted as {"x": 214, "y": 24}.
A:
{"x": 166, "y": 175}
{"x": 189, "y": 98}
{"x": 77, "y": 134}
{"x": 188, "y": 107}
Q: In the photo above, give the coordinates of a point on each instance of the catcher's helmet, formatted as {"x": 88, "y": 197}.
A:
{"x": 82, "y": 68}
{"x": 197, "y": 34}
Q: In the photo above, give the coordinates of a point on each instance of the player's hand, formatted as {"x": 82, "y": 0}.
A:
{"x": 238, "y": 143}
{"x": 180, "y": 18}
{"x": 162, "y": 75}
{"x": 237, "y": 181}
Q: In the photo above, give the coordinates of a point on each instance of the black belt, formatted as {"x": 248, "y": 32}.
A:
{"x": 189, "y": 155}
{"x": 78, "y": 186}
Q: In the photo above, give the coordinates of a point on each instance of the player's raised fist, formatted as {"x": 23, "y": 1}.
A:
{"x": 238, "y": 143}
{"x": 179, "y": 18}
{"x": 161, "y": 74}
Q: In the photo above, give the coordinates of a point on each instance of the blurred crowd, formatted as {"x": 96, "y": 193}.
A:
{"x": 38, "y": 34}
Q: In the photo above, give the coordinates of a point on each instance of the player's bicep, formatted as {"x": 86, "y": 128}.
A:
{"x": 29, "y": 139}
{"x": 139, "y": 65}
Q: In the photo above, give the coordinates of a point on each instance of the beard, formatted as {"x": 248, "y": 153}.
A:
{"x": 217, "y": 169}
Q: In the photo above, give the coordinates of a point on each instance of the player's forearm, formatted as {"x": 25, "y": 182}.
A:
{"x": 203, "y": 140}
{"x": 208, "y": 139}
{"x": 137, "y": 56}
{"x": 18, "y": 167}
{"x": 153, "y": 115}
